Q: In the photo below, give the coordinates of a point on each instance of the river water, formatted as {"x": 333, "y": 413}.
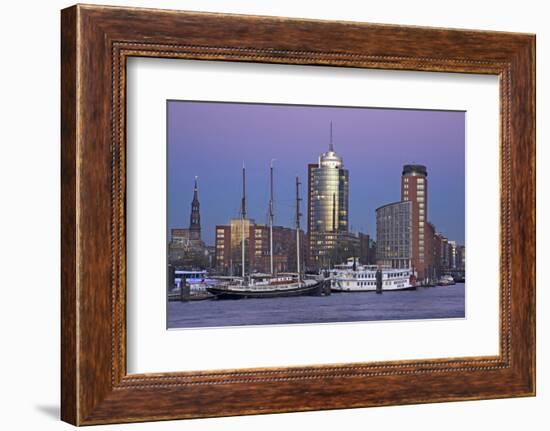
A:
{"x": 424, "y": 303}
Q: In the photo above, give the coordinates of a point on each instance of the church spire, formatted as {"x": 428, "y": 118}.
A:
{"x": 196, "y": 190}
{"x": 195, "y": 220}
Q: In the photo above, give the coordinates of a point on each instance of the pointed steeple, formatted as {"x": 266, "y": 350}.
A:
{"x": 195, "y": 220}
{"x": 196, "y": 189}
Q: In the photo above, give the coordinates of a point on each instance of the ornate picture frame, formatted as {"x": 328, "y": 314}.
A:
{"x": 96, "y": 41}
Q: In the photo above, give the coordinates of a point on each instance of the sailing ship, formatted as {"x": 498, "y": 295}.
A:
{"x": 354, "y": 277}
{"x": 268, "y": 285}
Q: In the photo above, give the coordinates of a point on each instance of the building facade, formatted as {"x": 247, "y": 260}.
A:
{"x": 414, "y": 188}
{"x": 431, "y": 265}
{"x": 461, "y": 257}
{"x": 393, "y": 235}
{"x": 228, "y": 258}
{"x": 328, "y": 202}
{"x": 367, "y": 249}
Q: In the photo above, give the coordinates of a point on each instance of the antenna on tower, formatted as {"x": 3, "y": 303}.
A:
{"x": 330, "y": 145}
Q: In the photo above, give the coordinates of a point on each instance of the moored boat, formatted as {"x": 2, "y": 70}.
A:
{"x": 267, "y": 287}
{"x": 354, "y": 277}
{"x": 446, "y": 280}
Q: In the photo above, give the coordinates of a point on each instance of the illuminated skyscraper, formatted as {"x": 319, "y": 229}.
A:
{"x": 328, "y": 197}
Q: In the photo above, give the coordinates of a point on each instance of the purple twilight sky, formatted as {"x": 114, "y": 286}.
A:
{"x": 212, "y": 140}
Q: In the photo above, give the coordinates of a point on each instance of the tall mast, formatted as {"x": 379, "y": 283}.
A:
{"x": 271, "y": 215}
{"x": 298, "y": 215}
{"x": 243, "y": 217}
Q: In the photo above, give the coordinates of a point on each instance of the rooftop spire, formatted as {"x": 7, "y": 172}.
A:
{"x": 330, "y": 145}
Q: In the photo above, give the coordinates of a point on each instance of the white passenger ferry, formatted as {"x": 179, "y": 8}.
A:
{"x": 354, "y": 277}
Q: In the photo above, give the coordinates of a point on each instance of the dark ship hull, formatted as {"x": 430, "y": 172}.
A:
{"x": 318, "y": 288}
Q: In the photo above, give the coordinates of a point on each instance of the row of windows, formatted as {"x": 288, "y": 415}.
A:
{"x": 368, "y": 283}
{"x": 418, "y": 180}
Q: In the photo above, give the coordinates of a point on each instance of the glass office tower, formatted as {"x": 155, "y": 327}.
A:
{"x": 328, "y": 199}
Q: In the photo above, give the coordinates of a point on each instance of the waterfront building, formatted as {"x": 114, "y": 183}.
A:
{"x": 354, "y": 245}
{"x": 228, "y": 245}
{"x": 223, "y": 255}
{"x": 452, "y": 255}
{"x": 327, "y": 207}
{"x": 186, "y": 248}
{"x": 448, "y": 256}
{"x": 284, "y": 249}
{"x": 461, "y": 257}
{"x": 414, "y": 188}
{"x": 437, "y": 249}
{"x": 430, "y": 254}
{"x": 228, "y": 259}
{"x": 367, "y": 249}
{"x": 393, "y": 235}
{"x": 431, "y": 271}
{"x": 445, "y": 254}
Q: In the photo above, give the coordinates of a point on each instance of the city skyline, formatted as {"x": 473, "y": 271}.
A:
{"x": 374, "y": 143}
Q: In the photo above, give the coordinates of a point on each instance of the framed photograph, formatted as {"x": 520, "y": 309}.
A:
{"x": 265, "y": 215}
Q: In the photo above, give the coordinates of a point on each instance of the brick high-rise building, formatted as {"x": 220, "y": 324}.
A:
{"x": 414, "y": 189}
